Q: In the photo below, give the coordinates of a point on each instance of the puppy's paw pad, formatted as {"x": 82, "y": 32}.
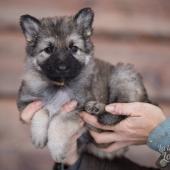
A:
{"x": 94, "y": 107}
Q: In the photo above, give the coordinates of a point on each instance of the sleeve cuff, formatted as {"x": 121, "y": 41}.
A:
{"x": 159, "y": 138}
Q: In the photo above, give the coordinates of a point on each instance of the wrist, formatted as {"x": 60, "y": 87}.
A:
{"x": 159, "y": 137}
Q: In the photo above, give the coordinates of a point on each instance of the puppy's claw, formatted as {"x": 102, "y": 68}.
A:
{"x": 39, "y": 143}
{"x": 59, "y": 158}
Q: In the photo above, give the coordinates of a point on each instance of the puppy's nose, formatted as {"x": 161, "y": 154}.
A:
{"x": 62, "y": 67}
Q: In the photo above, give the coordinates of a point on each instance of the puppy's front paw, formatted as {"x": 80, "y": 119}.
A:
{"x": 109, "y": 119}
{"x": 103, "y": 117}
{"x": 39, "y": 126}
{"x": 94, "y": 107}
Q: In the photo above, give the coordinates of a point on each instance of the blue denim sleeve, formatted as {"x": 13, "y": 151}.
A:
{"x": 159, "y": 138}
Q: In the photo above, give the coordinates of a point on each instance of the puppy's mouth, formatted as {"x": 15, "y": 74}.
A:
{"x": 60, "y": 83}
{"x": 61, "y": 74}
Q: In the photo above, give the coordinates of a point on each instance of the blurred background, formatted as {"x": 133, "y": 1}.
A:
{"x": 130, "y": 31}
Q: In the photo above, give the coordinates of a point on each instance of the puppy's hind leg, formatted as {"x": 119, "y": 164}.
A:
{"x": 39, "y": 126}
{"x": 60, "y": 131}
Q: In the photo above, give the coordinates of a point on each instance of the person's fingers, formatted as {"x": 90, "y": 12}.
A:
{"x": 30, "y": 110}
{"x": 106, "y": 137}
{"x": 128, "y": 109}
{"x": 78, "y": 133}
{"x": 68, "y": 107}
{"x": 92, "y": 120}
{"x": 116, "y": 146}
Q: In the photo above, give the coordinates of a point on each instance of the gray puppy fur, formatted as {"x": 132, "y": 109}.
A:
{"x": 60, "y": 67}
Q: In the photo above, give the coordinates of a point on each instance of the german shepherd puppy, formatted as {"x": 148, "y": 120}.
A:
{"x": 60, "y": 66}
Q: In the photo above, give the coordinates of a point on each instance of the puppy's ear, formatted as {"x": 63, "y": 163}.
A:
{"x": 84, "y": 20}
{"x": 30, "y": 26}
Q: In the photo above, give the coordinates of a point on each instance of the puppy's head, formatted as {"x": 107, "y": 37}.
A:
{"x": 59, "y": 47}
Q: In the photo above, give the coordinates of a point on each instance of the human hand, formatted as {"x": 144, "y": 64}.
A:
{"x": 142, "y": 119}
{"x": 31, "y": 110}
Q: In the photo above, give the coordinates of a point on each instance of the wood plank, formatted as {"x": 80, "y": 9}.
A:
{"x": 146, "y": 17}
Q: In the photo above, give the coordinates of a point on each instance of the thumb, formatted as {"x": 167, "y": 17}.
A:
{"x": 68, "y": 107}
{"x": 30, "y": 110}
{"x": 127, "y": 109}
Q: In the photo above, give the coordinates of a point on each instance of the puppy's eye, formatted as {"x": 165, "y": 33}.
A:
{"x": 49, "y": 49}
{"x": 73, "y": 48}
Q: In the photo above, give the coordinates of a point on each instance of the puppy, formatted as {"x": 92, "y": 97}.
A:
{"x": 59, "y": 67}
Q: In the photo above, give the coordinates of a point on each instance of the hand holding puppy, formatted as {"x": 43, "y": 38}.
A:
{"x": 142, "y": 119}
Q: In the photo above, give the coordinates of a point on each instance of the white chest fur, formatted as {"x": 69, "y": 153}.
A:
{"x": 53, "y": 104}
{"x": 58, "y": 100}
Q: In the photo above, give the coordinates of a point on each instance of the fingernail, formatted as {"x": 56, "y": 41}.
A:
{"x": 110, "y": 108}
